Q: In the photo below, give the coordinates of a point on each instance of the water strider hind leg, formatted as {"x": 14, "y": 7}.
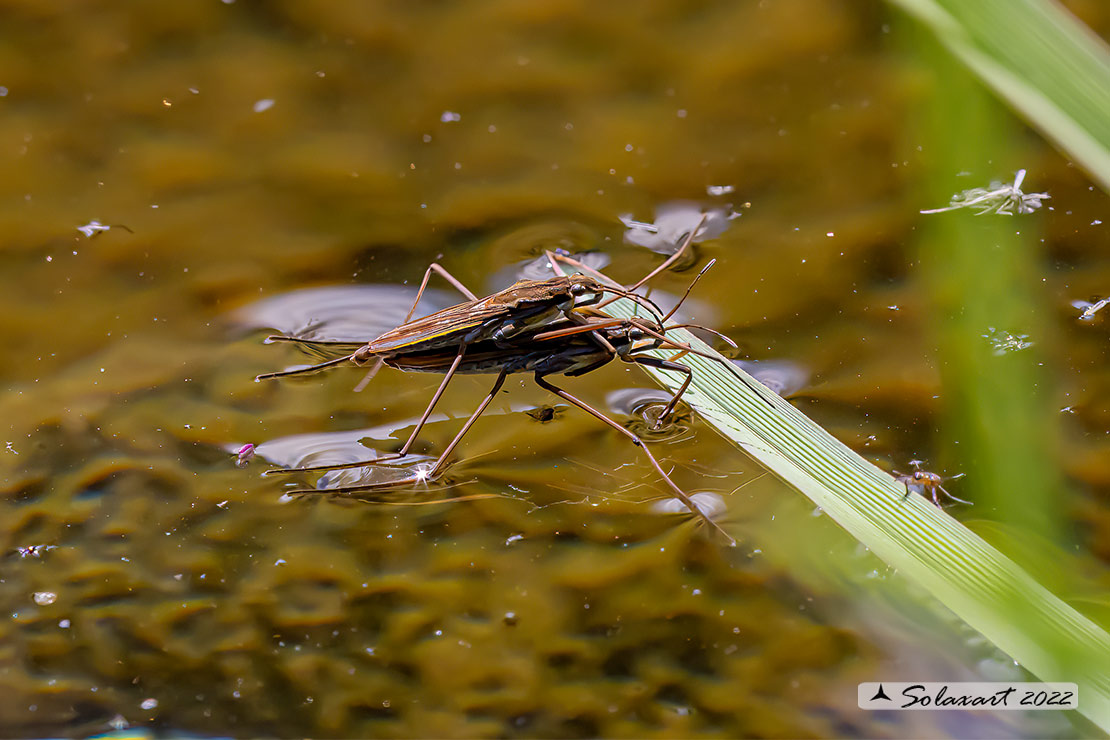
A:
{"x": 679, "y": 493}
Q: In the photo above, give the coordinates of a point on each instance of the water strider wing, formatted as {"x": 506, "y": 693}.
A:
{"x": 524, "y": 300}
{"x": 440, "y": 329}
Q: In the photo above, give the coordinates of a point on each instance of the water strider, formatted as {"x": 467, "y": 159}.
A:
{"x": 526, "y": 304}
{"x": 544, "y": 327}
{"x": 505, "y": 319}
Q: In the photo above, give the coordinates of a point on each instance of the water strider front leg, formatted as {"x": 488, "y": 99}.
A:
{"x": 673, "y": 367}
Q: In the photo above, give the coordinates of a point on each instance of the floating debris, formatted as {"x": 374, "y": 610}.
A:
{"x": 92, "y": 228}
{"x": 1004, "y": 342}
{"x": 1003, "y": 199}
{"x": 34, "y": 551}
{"x": 263, "y": 105}
{"x": 44, "y": 598}
{"x": 449, "y": 116}
{"x": 716, "y": 190}
{"x": 1088, "y": 309}
{"x": 673, "y": 223}
{"x": 545, "y": 413}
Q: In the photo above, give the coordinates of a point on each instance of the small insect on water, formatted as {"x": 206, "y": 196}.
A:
{"x": 922, "y": 481}
{"x": 1000, "y": 198}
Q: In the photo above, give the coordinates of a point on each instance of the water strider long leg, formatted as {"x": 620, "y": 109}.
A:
{"x": 377, "y": 364}
{"x": 632, "y": 288}
{"x": 469, "y": 423}
{"x": 681, "y": 495}
{"x": 434, "y": 267}
{"x": 408, "y": 443}
{"x": 674, "y": 257}
{"x": 440, "y": 462}
{"x": 304, "y": 370}
{"x": 662, "y": 364}
{"x": 314, "y": 342}
{"x": 618, "y": 292}
{"x": 949, "y": 495}
{"x": 371, "y": 371}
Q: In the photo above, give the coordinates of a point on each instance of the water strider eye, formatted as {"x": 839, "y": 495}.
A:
{"x": 635, "y": 334}
{"x": 577, "y": 289}
{"x": 918, "y": 475}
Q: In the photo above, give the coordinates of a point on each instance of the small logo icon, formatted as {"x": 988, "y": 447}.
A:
{"x": 880, "y": 694}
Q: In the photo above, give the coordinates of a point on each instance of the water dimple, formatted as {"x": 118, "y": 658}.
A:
{"x": 340, "y": 313}
{"x": 673, "y": 223}
{"x": 644, "y": 406}
{"x": 539, "y": 268}
{"x": 708, "y": 503}
{"x": 782, "y": 377}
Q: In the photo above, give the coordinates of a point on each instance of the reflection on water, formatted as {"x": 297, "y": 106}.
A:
{"x": 342, "y": 448}
{"x": 340, "y": 313}
{"x": 644, "y": 406}
{"x": 673, "y": 223}
{"x": 712, "y": 504}
{"x": 540, "y": 269}
{"x": 781, "y": 376}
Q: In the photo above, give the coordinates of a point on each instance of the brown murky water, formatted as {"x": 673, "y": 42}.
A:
{"x": 253, "y": 150}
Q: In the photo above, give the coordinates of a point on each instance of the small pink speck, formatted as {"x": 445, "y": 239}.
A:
{"x": 243, "y": 457}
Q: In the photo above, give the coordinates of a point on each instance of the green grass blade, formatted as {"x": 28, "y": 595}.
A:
{"x": 1041, "y": 60}
{"x": 974, "y": 580}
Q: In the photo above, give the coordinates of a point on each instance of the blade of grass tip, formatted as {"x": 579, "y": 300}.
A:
{"x": 959, "y": 568}
{"x": 1040, "y": 59}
